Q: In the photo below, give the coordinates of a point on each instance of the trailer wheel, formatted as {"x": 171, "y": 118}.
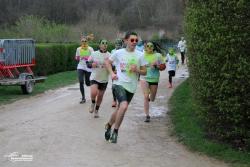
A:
{"x": 27, "y": 88}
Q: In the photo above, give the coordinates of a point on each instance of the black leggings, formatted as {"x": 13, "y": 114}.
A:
{"x": 83, "y": 76}
{"x": 182, "y": 57}
{"x": 171, "y": 74}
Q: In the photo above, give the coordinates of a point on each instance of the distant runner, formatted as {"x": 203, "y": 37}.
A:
{"x": 172, "y": 61}
{"x": 182, "y": 47}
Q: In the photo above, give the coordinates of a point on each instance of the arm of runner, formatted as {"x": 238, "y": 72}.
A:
{"x": 91, "y": 49}
{"x": 108, "y": 64}
{"x": 77, "y": 56}
{"x": 161, "y": 64}
{"x": 143, "y": 69}
{"x": 179, "y": 45}
{"x": 89, "y": 62}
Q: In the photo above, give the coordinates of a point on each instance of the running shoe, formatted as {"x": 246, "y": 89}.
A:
{"x": 92, "y": 107}
{"x": 147, "y": 118}
{"x": 113, "y": 138}
{"x": 108, "y": 132}
{"x": 83, "y": 101}
{"x": 96, "y": 114}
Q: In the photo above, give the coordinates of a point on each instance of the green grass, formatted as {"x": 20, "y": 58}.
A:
{"x": 11, "y": 93}
{"x": 188, "y": 129}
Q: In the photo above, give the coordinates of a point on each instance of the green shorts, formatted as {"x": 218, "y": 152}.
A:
{"x": 122, "y": 94}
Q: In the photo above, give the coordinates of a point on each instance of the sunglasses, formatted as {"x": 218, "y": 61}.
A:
{"x": 134, "y": 40}
{"x": 104, "y": 43}
{"x": 150, "y": 46}
{"x": 84, "y": 41}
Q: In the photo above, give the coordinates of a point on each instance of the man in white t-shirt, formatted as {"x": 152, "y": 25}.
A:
{"x": 129, "y": 65}
{"x": 182, "y": 47}
{"x": 82, "y": 54}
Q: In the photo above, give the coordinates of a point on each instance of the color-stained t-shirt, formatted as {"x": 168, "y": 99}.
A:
{"x": 123, "y": 61}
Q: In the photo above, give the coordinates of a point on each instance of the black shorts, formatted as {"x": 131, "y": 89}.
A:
{"x": 171, "y": 73}
{"x": 84, "y": 76}
{"x": 101, "y": 86}
{"x": 152, "y": 83}
{"x": 122, "y": 94}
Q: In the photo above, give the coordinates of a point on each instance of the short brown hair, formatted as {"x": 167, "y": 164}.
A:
{"x": 127, "y": 35}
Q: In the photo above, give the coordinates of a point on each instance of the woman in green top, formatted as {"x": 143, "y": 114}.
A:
{"x": 82, "y": 54}
{"x": 149, "y": 82}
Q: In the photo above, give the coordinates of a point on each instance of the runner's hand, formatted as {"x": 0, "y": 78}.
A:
{"x": 114, "y": 76}
{"x": 153, "y": 65}
{"x": 94, "y": 65}
{"x": 133, "y": 68}
{"x": 77, "y": 58}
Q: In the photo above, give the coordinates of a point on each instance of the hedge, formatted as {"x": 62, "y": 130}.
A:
{"x": 54, "y": 58}
{"x": 218, "y": 50}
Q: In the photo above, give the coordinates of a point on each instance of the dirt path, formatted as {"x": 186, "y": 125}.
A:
{"x": 57, "y": 131}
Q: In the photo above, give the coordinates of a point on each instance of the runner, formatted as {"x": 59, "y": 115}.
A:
{"x": 149, "y": 83}
{"x": 99, "y": 76}
{"x": 140, "y": 46}
{"x": 118, "y": 45}
{"x": 182, "y": 48}
{"x": 129, "y": 64}
{"x": 172, "y": 61}
{"x": 82, "y": 54}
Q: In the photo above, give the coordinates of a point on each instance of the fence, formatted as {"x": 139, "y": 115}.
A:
{"x": 17, "y": 52}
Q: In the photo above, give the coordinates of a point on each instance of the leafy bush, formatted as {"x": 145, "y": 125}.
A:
{"x": 218, "y": 49}
{"x": 40, "y": 29}
{"x": 54, "y": 58}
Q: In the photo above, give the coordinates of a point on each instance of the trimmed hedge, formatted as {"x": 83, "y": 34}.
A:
{"x": 54, "y": 58}
{"x": 218, "y": 50}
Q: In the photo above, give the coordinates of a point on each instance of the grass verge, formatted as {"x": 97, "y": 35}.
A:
{"x": 188, "y": 129}
{"x": 11, "y": 93}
